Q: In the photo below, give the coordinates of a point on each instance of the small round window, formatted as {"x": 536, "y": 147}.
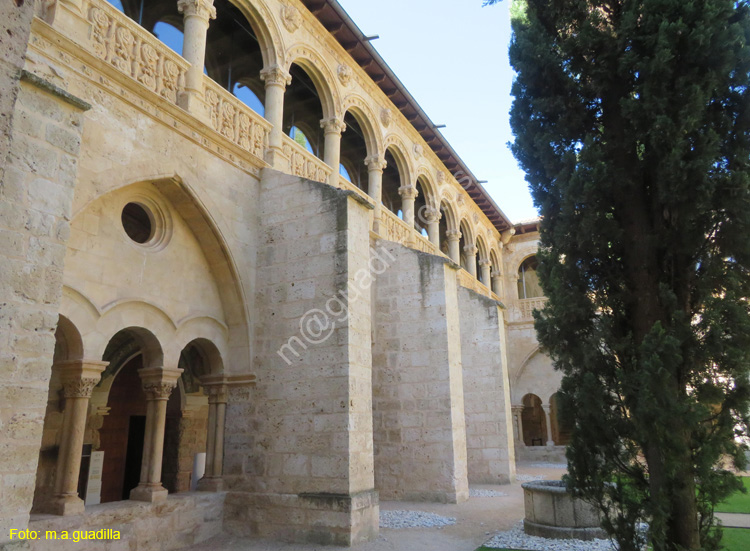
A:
{"x": 138, "y": 223}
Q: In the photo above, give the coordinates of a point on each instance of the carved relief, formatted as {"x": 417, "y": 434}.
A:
{"x": 345, "y": 74}
{"x": 236, "y": 122}
{"x": 386, "y": 117}
{"x": 136, "y": 53}
{"x": 302, "y": 164}
{"x": 80, "y": 388}
{"x": 158, "y": 391}
{"x": 418, "y": 151}
{"x": 291, "y": 17}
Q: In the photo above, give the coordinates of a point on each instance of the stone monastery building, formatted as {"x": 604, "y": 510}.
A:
{"x": 276, "y": 261}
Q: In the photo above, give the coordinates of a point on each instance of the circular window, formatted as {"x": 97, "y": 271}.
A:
{"x": 138, "y": 223}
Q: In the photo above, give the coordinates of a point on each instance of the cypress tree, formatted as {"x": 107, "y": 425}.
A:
{"x": 632, "y": 121}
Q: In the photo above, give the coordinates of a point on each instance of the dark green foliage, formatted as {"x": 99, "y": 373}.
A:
{"x": 632, "y": 122}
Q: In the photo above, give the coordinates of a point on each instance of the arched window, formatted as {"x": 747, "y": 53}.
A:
{"x": 170, "y": 35}
{"x": 528, "y": 280}
{"x": 354, "y": 152}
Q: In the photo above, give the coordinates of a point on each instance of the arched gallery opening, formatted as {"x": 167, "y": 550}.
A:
{"x": 533, "y": 421}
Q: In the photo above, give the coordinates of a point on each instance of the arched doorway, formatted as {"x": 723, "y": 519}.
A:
{"x": 562, "y": 429}
{"x": 533, "y": 421}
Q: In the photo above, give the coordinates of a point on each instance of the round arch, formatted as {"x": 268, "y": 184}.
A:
{"x": 320, "y": 74}
{"x": 264, "y": 26}
{"x": 395, "y": 145}
{"x": 428, "y": 188}
{"x": 450, "y": 214}
{"x": 467, "y": 231}
{"x": 482, "y": 248}
{"x": 363, "y": 114}
{"x": 68, "y": 341}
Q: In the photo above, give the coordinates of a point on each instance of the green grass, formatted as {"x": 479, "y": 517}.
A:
{"x": 737, "y": 502}
{"x": 736, "y": 539}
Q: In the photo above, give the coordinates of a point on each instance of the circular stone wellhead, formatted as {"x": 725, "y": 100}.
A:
{"x": 553, "y": 512}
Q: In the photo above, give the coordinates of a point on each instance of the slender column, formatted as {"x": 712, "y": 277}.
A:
{"x": 517, "y": 423}
{"x": 547, "y": 412}
{"x": 333, "y": 128}
{"x": 196, "y": 14}
{"x": 375, "y": 167}
{"x": 486, "y": 267}
{"x": 79, "y": 378}
{"x": 454, "y": 239}
{"x": 497, "y": 283}
{"x": 276, "y": 79}
{"x": 471, "y": 259}
{"x": 217, "y": 404}
{"x": 408, "y": 195}
{"x": 432, "y": 217}
{"x": 158, "y": 384}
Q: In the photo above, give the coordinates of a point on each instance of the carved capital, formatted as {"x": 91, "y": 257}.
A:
{"x": 276, "y": 76}
{"x": 407, "y": 192}
{"x": 201, "y": 8}
{"x": 471, "y": 250}
{"x": 484, "y": 262}
{"x": 432, "y": 215}
{"x": 217, "y": 394}
{"x": 453, "y": 235}
{"x": 496, "y": 274}
{"x": 375, "y": 162}
{"x": 79, "y": 388}
{"x": 333, "y": 126}
{"x": 159, "y": 391}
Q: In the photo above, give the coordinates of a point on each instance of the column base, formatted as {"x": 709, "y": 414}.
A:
{"x": 150, "y": 493}
{"x": 212, "y": 484}
{"x": 550, "y": 444}
{"x": 66, "y": 505}
{"x": 275, "y": 157}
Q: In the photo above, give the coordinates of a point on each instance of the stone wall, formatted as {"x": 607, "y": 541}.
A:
{"x": 418, "y": 400}
{"x": 298, "y": 455}
{"x": 35, "y": 210}
{"x": 181, "y": 521}
{"x": 489, "y": 429}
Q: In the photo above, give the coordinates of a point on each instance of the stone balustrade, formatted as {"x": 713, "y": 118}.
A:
{"x": 395, "y": 229}
{"x": 304, "y": 164}
{"x": 121, "y": 42}
{"x": 236, "y": 121}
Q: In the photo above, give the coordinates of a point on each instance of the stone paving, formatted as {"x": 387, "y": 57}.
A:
{"x": 477, "y": 520}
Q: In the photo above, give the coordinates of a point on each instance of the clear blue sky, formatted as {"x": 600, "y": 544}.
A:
{"x": 452, "y": 55}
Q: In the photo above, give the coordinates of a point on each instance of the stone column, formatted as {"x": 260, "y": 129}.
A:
{"x": 276, "y": 79}
{"x": 158, "y": 384}
{"x": 375, "y": 167}
{"x": 454, "y": 240}
{"x": 79, "y": 377}
{"x": 497, "y": 283}
{"x": 518, "y": 423}
{"x": 217, "y": 404}
{"x": 486, "y": 267}
{"x": 547, "y": 414}
{"x": 432, "y": 216}
{"x": 470, "y": 251}
{"x": 197, "y": 14}
{"x": 408, "y": 195}
{"x": 333, "y": 128}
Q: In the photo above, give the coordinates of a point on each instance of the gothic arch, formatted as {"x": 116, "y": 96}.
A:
{"x": 195, "y": 207}
{"x": 319, "y": 72}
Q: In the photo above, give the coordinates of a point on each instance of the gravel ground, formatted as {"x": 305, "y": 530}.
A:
{"x": 413, "y": 519}
{"x": 529, "y": 477}
{"x": 479, "y": 492}
{"x": 517, "y": 539}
